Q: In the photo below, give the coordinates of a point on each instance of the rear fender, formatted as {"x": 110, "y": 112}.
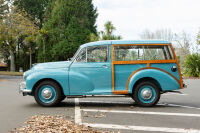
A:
{"x": 166, "y": 81}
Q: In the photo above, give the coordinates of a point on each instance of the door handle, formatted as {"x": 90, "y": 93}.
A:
{"x": 105, "y": 66}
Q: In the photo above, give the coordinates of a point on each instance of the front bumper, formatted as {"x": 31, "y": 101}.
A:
{"x": 23, "y": 90}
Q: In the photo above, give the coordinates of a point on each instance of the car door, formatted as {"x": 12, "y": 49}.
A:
{"x": 90, "y": 72}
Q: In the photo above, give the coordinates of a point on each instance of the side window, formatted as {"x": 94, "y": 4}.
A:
{"x": 97, "y": 54}
{"x": 81, "y": 57}
{"x": 154, "y": 53}
{"x": 157, "y": 52}
{"x": 169, "y": 50}
{"x": 128, "y": 53}
{"x": 142, "y": 52}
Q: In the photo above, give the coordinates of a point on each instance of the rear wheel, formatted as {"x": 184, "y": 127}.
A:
{"x": 146, "y": 94}
{"x": 48, "y": 94}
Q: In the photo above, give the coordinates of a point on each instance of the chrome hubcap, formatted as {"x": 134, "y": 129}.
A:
{"x": 46, "y": 93}
{"x": 146, "y": 94}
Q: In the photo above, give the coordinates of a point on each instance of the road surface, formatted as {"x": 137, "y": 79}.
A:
{"x": 174, "y": 113}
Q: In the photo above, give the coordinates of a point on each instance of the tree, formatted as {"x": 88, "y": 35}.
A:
{"x": 13, "y": 27}
{"x": 164, "y": 34}
{"x": 183, "y": 46}
{"x": 94, "y": 37}
{"x": 192, "y": 65}
{"x": 198, "y": 38}
{"x": 69, "y": 24}
{"x": 30, "y": 44}
{"x": 35, "y": 9}
{"x": 3, "y": 8}
{"x": 107, "y": 34}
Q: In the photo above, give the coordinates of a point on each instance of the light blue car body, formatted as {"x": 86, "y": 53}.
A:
{"x": 82, "y": 78}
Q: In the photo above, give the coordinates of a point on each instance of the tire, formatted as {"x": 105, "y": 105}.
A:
{"x": 62, "y": 98}
{"x": 132, "y": 97}
{"x": 152, "y": 94}
{"x": 53, "y": 94}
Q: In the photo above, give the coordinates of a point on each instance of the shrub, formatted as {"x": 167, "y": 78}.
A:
{"x": 192, "y": 65}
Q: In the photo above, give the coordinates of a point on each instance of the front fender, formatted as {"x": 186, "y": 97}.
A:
{"x": 166, "y": 81}
{"x": 80, "y": 83}
{"x": 59, "y": 75}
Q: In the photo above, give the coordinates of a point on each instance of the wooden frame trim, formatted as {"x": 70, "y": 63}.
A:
{"x": 121, "y": 92}
{"x": 141, "y": 44}
{"x": 144, "y": 61}
{"x": 148, "y": 62}
{"x": 113, "y": 76}
{"x": 148, "y": 65}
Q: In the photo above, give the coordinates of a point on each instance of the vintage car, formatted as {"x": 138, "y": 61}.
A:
{"x": 140, "y": 69}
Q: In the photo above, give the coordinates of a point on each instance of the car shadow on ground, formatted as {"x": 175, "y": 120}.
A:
{"x": 116, "y": 104}
{"x": 98, "y": 104}
{"x": 60, "y": 105}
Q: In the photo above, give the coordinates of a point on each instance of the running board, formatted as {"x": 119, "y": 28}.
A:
{"x": 96, "y": 96}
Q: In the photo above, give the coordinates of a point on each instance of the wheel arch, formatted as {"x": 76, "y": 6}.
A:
{"x": 46, "y": 79}
{"x": 147, "y": 79}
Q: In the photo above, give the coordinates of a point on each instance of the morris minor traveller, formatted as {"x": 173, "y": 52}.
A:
{"x": 142, "y": 70}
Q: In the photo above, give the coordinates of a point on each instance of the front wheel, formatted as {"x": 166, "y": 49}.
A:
{"x": 62, "y": 98}
{"x": 48, "y": 94}
{"x": 146, "y": 94}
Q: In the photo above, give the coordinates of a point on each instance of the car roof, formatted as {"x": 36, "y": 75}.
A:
{"x": 121, "y": 42}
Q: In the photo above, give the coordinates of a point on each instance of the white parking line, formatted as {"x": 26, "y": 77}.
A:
{"x": 142, "y": 112}
{"x": 77, "y": 112}
{"x": 178, "y": 94}
{"x": 130, "y": 127}
{"x": 176, "y": 105}
{"x": 142, "y": 128}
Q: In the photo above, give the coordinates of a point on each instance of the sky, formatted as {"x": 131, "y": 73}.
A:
{"x": 132, "y": 17}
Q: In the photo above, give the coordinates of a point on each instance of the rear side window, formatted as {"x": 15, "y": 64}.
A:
{"x": 141, "y": 52}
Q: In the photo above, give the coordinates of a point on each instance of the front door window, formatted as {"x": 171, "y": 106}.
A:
{"x": 97, "y": 54}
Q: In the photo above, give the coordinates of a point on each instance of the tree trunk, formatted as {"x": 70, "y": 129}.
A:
{"x": 12, "y": 61}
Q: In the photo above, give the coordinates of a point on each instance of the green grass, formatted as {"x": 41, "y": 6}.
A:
{"x": 11, "y": 73}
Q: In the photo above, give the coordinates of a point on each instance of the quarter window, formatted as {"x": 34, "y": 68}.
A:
{"x": 81, "y": 56}
{"x": 137, "y": 52}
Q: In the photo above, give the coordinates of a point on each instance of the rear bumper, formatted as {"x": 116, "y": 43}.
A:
{"x": 23, "y": 90}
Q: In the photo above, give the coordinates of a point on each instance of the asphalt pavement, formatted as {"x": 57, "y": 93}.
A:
{"x": 174, "y": 112}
